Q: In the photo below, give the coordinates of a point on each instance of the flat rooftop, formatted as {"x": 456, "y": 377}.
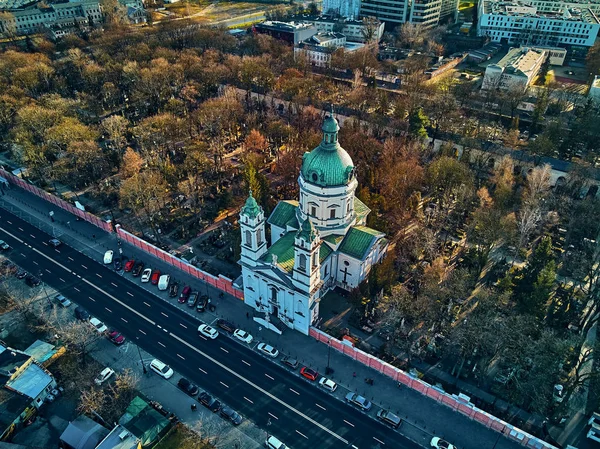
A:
{"x": 521, "y": 8}
{"x": 10, "y": 361}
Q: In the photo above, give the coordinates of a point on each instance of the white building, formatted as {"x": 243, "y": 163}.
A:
{"x": 317, "y": 243}
{"x": 520, "y": 23}
{"x": 354, "y": 30}
{"x": 318, "y": 49}
{"x": 425, "y": 12}
{"x": 518, "y": 68}
{"x": 343, "y": 8}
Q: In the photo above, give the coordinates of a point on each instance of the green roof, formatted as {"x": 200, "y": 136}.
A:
{"x": 251, "y": 208}
{"x": 358, "y": 241}
{"x": 360, "y": 208}
{"x": 284, "y": 250}
{"x": 143, "y": 421}
{"x": 330, "y": 124}
{"x": 307, "y": 231}
{"x": 327, "y": 166}
{"x": 334, "y": 239}
{"x": 284, "y": 213}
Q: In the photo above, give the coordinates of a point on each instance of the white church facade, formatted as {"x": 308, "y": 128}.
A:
{"x": 317, "y": 243}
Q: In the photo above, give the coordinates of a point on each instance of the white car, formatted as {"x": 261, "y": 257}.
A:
{"x": 268, "y": 350}
{"x": 438, "y": 443}
{"x": 243, "y": 336}
{"x": 164, "y": 281}
{"x": 162, "y": 369}
{"x": 328, "y": 384}
{"x": 99, "y": 325}
{"x": 146, "y": 274}
{"x": 3, "y": 245}
{"x": 108, "y": 257}
{"x": 274, "y": 443}
{"x": 104, "y": 376}
{"x": 208, "y": 331}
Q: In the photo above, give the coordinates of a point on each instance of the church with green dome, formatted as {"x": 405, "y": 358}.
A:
{"x": 318, "y": 242}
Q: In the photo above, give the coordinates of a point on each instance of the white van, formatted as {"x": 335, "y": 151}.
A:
{"x": 163, "y": 282}
{"x": 274, "y": 443}
{"x": 161, "y": 369}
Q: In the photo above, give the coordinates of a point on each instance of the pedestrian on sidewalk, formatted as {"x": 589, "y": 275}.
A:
{"x": 354, "y": 374}
{"x": 247, "y": 315}
{"x": 194, "y": 407}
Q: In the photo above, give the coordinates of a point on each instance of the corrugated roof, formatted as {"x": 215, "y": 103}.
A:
{"x": 334, "y": 239}
{"x": 284, "y": 212}
{"x": 31, "y": 382}
{"x": 358, "y": 241}
{"x": 143, "y": 421}
{"x": 12, "y": 404}
{"x": 41, "y": 351}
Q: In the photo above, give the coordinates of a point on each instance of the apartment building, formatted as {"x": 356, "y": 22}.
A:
{"x": 354, "y": 30}
{"x": 449, "y": 11}
{"x": 393, "y": 11}
{"x": 520, "y": 23}
{"x": 425, "y": 12}
{"x": 343, "y": 8}
{"x": 518, "y": 68}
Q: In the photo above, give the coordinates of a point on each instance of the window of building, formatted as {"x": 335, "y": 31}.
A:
{"x": 302, "y": 262}
{"x": 258, "y": 238}
{"x": 248, "y": 238}
{"x": 314, "y": 260}
{"x": 332, "y": 213}
{"x": 313, "y": 211}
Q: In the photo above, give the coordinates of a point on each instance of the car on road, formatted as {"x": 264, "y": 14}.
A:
{"x": 146, "y": 275}
{"x": 155, "y": 277}
{"x": 231, "y": 415}
{"x": 438, "y": 443}
{"x": 32, "y": 281}
{"x": 202, "y": 303}
{"x": 185, "y": 294}
{"x": 81, "y": 314}
{"x": 328, "y": 384}
{"x": 99, "y": 325}
{"x": 54, "y": 242}
{"x": 358, "y": 401}
{"x": 290, "y": 361}
{"x": 116, "y": 337}
{"x": 274, "y": 443}
{"x": 108, "y": 257}
{"x": 4, "y": 246}
{"x": 162, "y": 369}
{"x": 242, "y": 335}
{"x": 193, "y": 299}
{"x": 208, "y": 331}
{"x": 187, "y": 387}
{"x": 129, "y": 265}
{"x": 21, "y": 274}
{"x": 62, "y": 300}
{"x": 118, "y": 265}
{"x": 389, "y": 418}
{"x": 209, "y": 402}
{"x": 310, "y": 374}
{"x": 173, "y": 289}
{"x": 137, "y": 270}
{"x": 226, "y": 325}
{"x": 104, "y": 375}
{"x": 268, "y": 350}
{"x": 163, "y": 282}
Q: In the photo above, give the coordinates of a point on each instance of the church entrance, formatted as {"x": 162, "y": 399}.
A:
{"x": 275, "y": 311}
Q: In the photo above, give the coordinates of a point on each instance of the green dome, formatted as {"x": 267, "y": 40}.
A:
{"x": 251, "y": 208}
{"x": 330, "y": 125}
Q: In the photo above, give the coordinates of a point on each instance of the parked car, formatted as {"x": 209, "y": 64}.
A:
{"x": 104, "y": 375}
{"x": 389, "y": 418}
{"x": 231, "y": 415}
{"x": 4, "y": 246}
{"x": 185, "y": 294}
{"x": 438, "y": 443}
{"x": 129, "y": 265}
{"x": 310, "y": 374}
{"x": 118, "y": 264}
{"x": 193, "y": 299}
{"x": 99, "y": 325}
{"x": 137, "y": 270}
{"x": 55, "y": 243}
{"x": 21, "y": 274}
{"x": 32, "y": 281}
{"x": 202, "y": 304}
{"x": 328, "y": 384}
{"x": 108, "y": 257}
{"x": 81, "y": 314}
{"x": 187, "y": 386}
{"x": 62, "y": 300}
{"x": 161, "y": 369}
{"x": 358, "y": 401}
{"x": 146, "y": 275}
{"x": 268, "y": 350}
{"x": 155, "y": 277}
{"x": 208, "y": 331}
{"x": 290, "y": 361}
{"x": 242, "y": 335}
{"x": 226, "y": 326}
{"x": 274, "y": 443}
{"x": 163, "y": 282}
{"x": 209, "y": 402}
{"x": 173, "y": 289}
{"x": 116, "y": 337}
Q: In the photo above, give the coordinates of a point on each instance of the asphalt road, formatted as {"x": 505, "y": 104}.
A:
{"x": 296, "y": 411}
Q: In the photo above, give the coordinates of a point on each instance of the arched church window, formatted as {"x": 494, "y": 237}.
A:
{"x": 314, "y": 260}
{"x": 313, "y": 211}
{"x": 258, "y": 237}
{"x": 332, "y": 213}
{"x": 302, "y": 262}
{"x": 248, "y": 238}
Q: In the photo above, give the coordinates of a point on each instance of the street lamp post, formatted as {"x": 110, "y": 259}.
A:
{"x": 141, "y": 359}
{"x": 328, "y": 369}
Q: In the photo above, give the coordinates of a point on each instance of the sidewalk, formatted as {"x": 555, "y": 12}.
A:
{"x": 422, "y": 415}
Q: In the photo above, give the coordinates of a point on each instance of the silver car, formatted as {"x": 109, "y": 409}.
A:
{"x": 358, "y": 401}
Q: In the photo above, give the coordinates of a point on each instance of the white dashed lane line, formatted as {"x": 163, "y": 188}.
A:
{"x": 224, "y": 350}
{"x": 224, "y": 384}
{"x": 21, "y": 229}
{"x": 272, "y": 415}
{"x": 9, "y": 222}
{"x": 113, "y": 284}
{"x": 47, "y": 270}
{"x": 301, "y": 434}
{"x": 84, "y": 267}
{"x": 181, "y": 357}
{"x": 75, "y": 288}
{"x": 349, "y": 423}
{"x": 272, "y": 378}
{"x": 71, "y": 259}
{"x": 320, "y": 406}
{"x": 164, "y": 314}
{"x": 248, "y": 400}
{"x": 61, "y": 279}
{"x": 141, "y": 331}
{"x": 32, "y": 235}
{"x": 243, "y": 361}
{"x": 128, "y": 321}
{"x": 183, "y": 325}
{"x": 108, "y": 309}
{"x": 130, "y": 294}
{"x": 292, "y": 390}
{"x": 378, "y": 440}
{"x": 202, "y": 371}
{"x": 92, "y": 298}
{"x": 45, "y": 243}
{"x": 100, "y": 276}
{"x": 146, "y": 303}
{"x": 24, "y": 256}
{"x": 161, "y": 344}
{"x": 34, "y": 262}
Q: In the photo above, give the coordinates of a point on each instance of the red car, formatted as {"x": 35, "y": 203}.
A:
{"x": 185, "y": 294}
{"x": 116, "y": 337}
{"x": 310, "y": 374}
{"x": 155, "y": 277}
{"x": 129, "y": 265}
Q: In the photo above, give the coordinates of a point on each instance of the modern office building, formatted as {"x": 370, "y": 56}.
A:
{"x": 425, "y": 12}
{"x": 343, "y": 8}
{"x": 392, "y": 11}
{"x": 520, "y": 23}
{"x": 449, "y": 11}
{"x": 518, "y": 68}
{"x": 354, "y": 30}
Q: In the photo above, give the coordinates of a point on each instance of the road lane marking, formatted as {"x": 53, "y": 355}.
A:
{"x": 45, "y": 243}
{"x": 32, "y": 235}
{"x": 23, "y": 254}
{"x": 349, "y": 423}
{"x": 127, "y": 322}
{"x": 99, "y": 275}
{"x": 224, "y": 350}
{"x": 272, "y": 378}
{"x": 75, "y": 288}
{"x": 146, "y": 303}
{"x": 56, "y": 250}
{"x": 61, "y": 279}
{"x": 93, "y": 300}
{"x": 272, "y": 415}
{"x": 243, "y": 361}
{"x": 143, "y": 332}
{"x": 108, "y": 309}
{"x": 21, "y": 229}
{"x": 320, "y": 406}
{"x": 181, "y": 357}
{"x": 48, "y": 270}
{"x": 34, "y": 262}
{"x": 113, "y": 284}
{"x": 130, "y": 294}
{"x": 202, "y": 337}
{"x": 248, "y": 400}
{"x": 379, "y": 441}
{"x": 164, "y": 314}
{"x": 161, "y": 344}
{"x": 225, "y": 385}
{"x": 183, "y": 325}
{"x": 301, "y": 434}
{"x": 71, "y": 259}
{"x": 262, "y": 390}
{"x": 294, "y": 391}
{"x": 84, "y": 267}
{"x": 9, "y": 222}
{"x": 202, "y": 370}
